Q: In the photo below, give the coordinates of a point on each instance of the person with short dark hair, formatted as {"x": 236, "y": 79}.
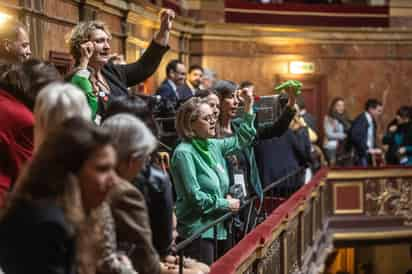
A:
{"x": 399, "y": 139}
{"x": 14, "y": 42}
{"x": 192, "y": 83}
{"x": 363, "y": 133}
{"x": 175, "y": 77}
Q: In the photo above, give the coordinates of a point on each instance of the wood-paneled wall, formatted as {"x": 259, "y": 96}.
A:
{"x": 357, "y": 63}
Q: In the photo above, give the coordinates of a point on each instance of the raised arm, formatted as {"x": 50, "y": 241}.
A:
{"x": 137, "y": 72}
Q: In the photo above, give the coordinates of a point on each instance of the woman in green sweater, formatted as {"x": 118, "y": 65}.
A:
{"x": 200, "y": 174}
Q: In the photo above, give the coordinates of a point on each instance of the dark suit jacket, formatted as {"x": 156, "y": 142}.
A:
{"x": 36, "y": 239}
{"x": 359, "y": 135}
{"x": 132, "y": 227}
{"x": 166, "y": 91}
{"x": 184, "y": 92}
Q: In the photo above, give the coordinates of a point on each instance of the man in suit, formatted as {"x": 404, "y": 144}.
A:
{"x": 192, "y": 83}
{"x": 363, "y": 133}
{"x": 175, "y": 76}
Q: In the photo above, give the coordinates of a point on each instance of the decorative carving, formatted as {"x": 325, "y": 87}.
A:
{"x": 271, "y": 262}
{"x": 292, "y": 246}
{"x": 390, "y": 197}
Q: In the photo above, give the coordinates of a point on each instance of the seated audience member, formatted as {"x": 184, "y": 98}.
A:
{"x": 70, "y": 175}
{"x": 19, "y": 86}
{"x": 175, "y": 77}
{"x": 102, "y": 80}
{"x": 14, "y": 42}
{"x": 151, "y": 181}
{"x": 363, "y": 133}
{"x": 200, "y": 176}
{"x": 134, "y": 143}
{"x": 336, "y": 126}
{"x": 192, "y": 83}
{"x": 244, "y": 161}
{"x": 399, "y": 139}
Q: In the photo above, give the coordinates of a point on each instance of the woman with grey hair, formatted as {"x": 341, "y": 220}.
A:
{"x": 99, "y": 77}
{"x": 200, "y": 175}
{"x": 133, "y": 142}
{"x": 54, "y": 104}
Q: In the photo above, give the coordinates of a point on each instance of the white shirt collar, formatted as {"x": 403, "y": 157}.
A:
{"x": 172, "y": 84}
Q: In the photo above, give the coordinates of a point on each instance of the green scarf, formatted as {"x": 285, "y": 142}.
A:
{"x": 202, "y": 147}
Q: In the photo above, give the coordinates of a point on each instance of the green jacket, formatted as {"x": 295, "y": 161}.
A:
{"x": 201, "y": 189}
{"x": 81, "y": 80}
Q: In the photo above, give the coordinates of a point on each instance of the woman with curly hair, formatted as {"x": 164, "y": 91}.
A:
{"x": 98, "y": 76}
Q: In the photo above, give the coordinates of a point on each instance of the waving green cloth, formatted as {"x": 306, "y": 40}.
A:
{"x": 202, "y": 147}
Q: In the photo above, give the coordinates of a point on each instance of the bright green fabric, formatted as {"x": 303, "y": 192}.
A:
{"x": 85, "y": 85}
{"x": 201, "y": 189}
{"x": 202, "y": 147}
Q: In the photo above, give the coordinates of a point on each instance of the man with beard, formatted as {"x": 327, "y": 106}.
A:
{"x": 192, "y": 83}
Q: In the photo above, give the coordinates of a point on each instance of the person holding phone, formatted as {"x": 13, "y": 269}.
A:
{"x": 200, "y": 174}
{"x": 98, "y": 76}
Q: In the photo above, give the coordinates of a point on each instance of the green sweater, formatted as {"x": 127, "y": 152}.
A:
{"x": 81, "y": 80}
{"x": 201, "y": 189}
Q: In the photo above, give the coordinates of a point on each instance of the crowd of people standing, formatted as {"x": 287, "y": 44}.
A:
{"x": 79, "y": 166}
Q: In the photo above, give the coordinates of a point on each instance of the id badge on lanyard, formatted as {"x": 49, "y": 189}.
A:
{"x": 239, "y": 179}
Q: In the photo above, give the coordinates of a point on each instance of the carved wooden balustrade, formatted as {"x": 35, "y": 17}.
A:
{"x": 336, "y": 207}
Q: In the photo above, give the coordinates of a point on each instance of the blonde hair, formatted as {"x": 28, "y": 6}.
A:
{"x": 56, "y": 103}
{"x": 186, "y": 114}
{"x": 81, "y": 33}
{"x": 130, "y": 136}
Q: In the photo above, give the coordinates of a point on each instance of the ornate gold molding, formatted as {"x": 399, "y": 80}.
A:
{"x": 368, "y": 173}
{"x": 358, "y": 210}
{"x": 372, "y": 235}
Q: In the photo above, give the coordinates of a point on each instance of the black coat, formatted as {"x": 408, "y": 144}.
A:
{"x": 184, "y": 92}
{"x": 167, "y": 92}
{"x": 279, "y": 157}
{"x": 120, "y": 77}
{"x": 359, "y": 135}
{"x": 36, "y": 239}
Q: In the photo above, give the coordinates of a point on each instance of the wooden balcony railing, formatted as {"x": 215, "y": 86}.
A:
{"x": 337, "y": 206}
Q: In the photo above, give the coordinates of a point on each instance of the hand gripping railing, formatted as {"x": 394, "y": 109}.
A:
{"x": 284, "y": 182}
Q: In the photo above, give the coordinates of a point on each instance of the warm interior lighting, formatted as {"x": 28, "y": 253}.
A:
{"x": 4, "y": 17}
{"x": 299, "y": 67}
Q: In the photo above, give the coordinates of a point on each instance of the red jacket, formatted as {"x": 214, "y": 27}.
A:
{"x": 16, "y": 139}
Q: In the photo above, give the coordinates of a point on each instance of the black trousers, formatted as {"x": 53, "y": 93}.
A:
{"x": 203, "y": 249}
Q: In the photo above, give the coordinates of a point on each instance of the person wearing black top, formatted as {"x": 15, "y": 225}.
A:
{"x": 90, "y": 47}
